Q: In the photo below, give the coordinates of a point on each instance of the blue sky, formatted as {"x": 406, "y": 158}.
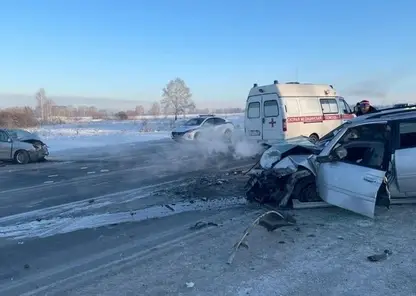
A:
{"x": 129, "y": 49}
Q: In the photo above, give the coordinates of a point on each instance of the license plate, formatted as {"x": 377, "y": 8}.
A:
{"x": 254, "y": 133}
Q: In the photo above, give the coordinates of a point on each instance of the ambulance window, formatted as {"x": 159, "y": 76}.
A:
{"x": 253, "y": 110}
{"x": 345, "y": 107}
{"x": 329, "y": 106}
{"x": 292, "y": 107}
{"x": 271, "y": 109}
{"x": 310, "y": 106}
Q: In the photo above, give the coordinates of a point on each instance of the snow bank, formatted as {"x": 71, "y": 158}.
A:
{"x": 95, "y": 134}
{"x": 104, "y": 133}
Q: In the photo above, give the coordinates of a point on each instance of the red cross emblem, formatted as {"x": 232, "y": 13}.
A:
{"x": 272, "y": 122}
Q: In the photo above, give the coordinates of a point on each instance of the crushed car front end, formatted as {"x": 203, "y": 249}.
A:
{"x": 29, "y": 142}
{"x": 37, "y": 149}
{"x": 349, "y": 169}
{"x": 286, "y": 170}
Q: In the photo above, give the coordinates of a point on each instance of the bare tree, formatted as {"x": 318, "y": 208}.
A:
{"x": 40, "y": 100}
{"x": 139, "y": 110}
{"x": 177, "y": 98}
{"x": 17, "y": 117}
{"x": 44, "y": 105}
{"x": 155, "y": 109}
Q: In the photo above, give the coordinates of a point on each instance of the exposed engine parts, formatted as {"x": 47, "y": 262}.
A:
{"x": 270, "y": 187}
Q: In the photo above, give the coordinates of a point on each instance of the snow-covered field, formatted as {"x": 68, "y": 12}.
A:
{"x": 105, "y": 133}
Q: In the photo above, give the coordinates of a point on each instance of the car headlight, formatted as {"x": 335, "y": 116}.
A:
{"x": 190, "y": 135}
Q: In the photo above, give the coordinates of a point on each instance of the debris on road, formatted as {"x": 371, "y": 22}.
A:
{"x": 273, "y": 221}
{"x": 380, "y": 257}
{"x": 190, "y": 284}
{"x": 207, "y": 186}
{"x": 269, "y": 218}
{"x": 170, "y": 208}
{"x": 201, "y": 224}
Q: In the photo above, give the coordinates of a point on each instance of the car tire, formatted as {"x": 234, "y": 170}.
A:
{"x": 21, "y": 157}
{"x": 305, "y": 190}
{"x": 227, "y": 135}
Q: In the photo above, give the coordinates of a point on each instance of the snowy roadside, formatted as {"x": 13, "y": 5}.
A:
{"x": 325, "y": 254}
{"x": 70, "y": 138}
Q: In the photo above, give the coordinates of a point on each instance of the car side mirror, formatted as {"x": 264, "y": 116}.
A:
{"x": 335, "y": 155}
{"x": 324, "y": 159}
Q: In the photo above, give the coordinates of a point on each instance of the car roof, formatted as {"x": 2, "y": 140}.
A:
{"x": 387, "y": 116}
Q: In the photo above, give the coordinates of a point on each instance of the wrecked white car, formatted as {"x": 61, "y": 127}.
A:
{"x": 357, "y": 166}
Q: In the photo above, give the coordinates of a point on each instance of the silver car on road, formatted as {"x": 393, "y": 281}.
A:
{"x": 364, "y": 162}
{"x": 21, "y": 146}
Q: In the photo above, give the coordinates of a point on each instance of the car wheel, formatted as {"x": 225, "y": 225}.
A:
{"x": 305, "y": 190}
{"x": 227, "y": 135}
{"x": 21, "y": 157}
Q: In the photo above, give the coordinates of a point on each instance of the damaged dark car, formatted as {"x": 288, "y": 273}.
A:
{"x": 359, "y": 165}
{"x": 21, "y": 146}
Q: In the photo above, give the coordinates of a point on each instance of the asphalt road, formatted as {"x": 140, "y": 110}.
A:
{"x": 122, "y": 222}
{"x": 122, "y": 180}
{"x": 72, "y": 178}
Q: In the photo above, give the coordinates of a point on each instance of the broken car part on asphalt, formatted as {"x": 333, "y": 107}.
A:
{"x": 357, "y": 166}
{"x": 270, "y": 220}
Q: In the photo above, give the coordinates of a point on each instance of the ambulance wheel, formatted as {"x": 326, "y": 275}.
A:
{"x": 314, "y": 138}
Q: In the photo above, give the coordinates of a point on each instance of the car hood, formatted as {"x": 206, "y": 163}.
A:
{"x": 299, "y": 148}
{"x": 24, "y": 136}
{"x": 184, "y": 128}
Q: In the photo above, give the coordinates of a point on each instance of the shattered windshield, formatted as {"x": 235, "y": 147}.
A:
{"x": 194, "y": 121}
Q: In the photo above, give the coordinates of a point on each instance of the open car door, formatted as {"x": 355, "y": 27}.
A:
{"x": 351, "y": 179}
{"x": 350, "y": 186}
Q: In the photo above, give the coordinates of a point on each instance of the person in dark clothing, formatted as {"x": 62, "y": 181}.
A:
{"x": 365, "y": 108}
{"x": 357, "y": 107}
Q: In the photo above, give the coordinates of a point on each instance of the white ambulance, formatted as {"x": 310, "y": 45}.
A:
{"x": 282, "y": 111}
